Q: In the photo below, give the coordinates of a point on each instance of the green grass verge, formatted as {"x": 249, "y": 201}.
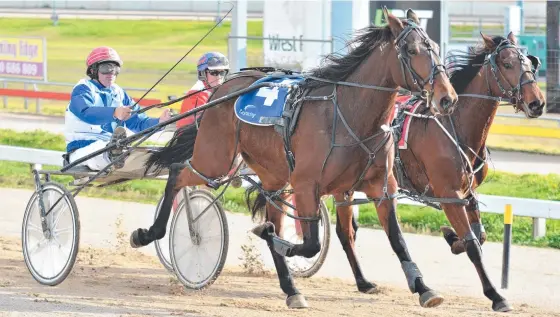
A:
{"x": 413, "y": 219}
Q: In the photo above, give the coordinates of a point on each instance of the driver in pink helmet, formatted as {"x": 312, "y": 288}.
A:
{"x": 99, "y": 110}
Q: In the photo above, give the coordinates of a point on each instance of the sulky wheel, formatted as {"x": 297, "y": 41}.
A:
{"x": 199, "y": 240}
{"x": 50, "y": 249}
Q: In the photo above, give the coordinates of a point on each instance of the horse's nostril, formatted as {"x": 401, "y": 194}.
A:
{"x": 445, "y": 102}
{"x": 536, "y": 105}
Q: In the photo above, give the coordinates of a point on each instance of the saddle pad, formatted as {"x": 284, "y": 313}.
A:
{"x": 410, "y": 106}
{"x": 258, "y": 106}
{"x": 400, "y": 102}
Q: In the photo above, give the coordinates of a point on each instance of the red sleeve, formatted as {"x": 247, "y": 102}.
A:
{"x": 190, "y": 103}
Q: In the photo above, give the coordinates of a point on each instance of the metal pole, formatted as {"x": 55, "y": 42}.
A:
{"x": 37, "y": 101}
{"x": 521, "y": 22}
{"x": 239, "y": 35}
{"x": 5, "y": 86}
{"x": 54, "y": 16}
{"x": 444, "y": 30}
{"x": 218, "y": 15}
{"x": 508, "y": 220}
{"x": 25, "y": 101}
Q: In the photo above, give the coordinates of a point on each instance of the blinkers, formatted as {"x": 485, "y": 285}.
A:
{"x": 536, "y": 62}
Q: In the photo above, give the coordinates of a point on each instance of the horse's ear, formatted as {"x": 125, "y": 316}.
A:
{"x": 412, "y": 16}
{"x": 395, "y": 24}
{"x": 385, "y": 13}
{"x": 488, "y": 42}
{"x": 512, "y": 38}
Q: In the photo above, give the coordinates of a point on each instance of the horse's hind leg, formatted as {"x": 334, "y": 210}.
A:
{"x": 346, "y": 228}
{"x": 209, "y": 164}
{"x": 473, "y": 213}
{"x": 386, "y": 211}
{"x": 179, "y": 177}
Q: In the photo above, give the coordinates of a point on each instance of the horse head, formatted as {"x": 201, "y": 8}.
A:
{"x": 420, "y": 63}
{"x": 514, "y": 75}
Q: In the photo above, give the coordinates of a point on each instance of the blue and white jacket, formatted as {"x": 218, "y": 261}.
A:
{"x": 89, "y": 116}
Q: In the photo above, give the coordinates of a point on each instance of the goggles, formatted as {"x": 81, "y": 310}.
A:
{"x": 109, "y": 68}
{"x": 216, "y": 72}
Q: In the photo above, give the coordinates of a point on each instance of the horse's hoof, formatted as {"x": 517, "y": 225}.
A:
{"x": 135, "y": 240}
{"x": 373, "y": 290}
{"x": 430, "y": 299}
{"x": 502, "y": 306}
{"x": 296, "y": 301}
{"x": 368, "y": 288}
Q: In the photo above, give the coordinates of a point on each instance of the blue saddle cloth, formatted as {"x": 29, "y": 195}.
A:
{"x": 259, "y": 106}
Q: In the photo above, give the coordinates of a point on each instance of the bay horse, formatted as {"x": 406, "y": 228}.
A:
{"x": 341, "y": 142}
{"x": 431, "y": 163}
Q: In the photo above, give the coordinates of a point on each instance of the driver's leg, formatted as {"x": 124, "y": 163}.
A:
{"x": 95, "y": 163}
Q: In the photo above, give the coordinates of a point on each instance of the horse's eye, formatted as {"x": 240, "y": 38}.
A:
{"x": 411, "y": 51}
{"x": 508, "y": 65}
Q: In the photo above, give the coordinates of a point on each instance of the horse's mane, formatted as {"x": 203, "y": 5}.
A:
{"x": 337, "y": 67}
{"x": 463, "y": 66}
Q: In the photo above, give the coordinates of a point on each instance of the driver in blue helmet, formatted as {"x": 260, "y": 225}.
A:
{"x": 212, "y": 69}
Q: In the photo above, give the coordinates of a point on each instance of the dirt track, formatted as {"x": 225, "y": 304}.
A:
{"x": 121, "y": 281}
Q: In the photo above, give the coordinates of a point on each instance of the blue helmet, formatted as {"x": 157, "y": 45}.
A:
{"x": 211, "y": 61}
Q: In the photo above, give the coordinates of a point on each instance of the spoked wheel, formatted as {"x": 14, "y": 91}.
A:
{"x": 301, "y": 266}
{"x": 50, "y": 255}
{"x": 162, "y": 245}
{"x": 199, "y": 240}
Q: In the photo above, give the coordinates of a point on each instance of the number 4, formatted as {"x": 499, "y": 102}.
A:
{"x": 270, "y": 94}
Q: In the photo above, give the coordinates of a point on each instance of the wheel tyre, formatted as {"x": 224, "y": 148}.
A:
{"x": 161, "y": 254}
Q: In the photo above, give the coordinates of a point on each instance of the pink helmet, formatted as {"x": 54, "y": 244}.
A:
{"x": 103, "y": 54}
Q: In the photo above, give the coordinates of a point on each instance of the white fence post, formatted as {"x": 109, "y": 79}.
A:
{"x": 539, "y": 227}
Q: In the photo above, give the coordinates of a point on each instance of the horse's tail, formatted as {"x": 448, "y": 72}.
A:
{"x": 177, "y": 150}
{"x": 255, "y": 204}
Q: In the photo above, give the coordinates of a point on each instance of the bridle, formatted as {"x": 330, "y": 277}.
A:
{"x": 405, "y": 59}
{"x": 514, "y": 95}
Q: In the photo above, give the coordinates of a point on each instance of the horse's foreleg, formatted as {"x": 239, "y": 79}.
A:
{"x": 386, "y": 211}
{"x": 346, "y": 231}
{"x": 458, "y": 219}
{"x": 179, "y": 177}
{"x": 473, "y": 213}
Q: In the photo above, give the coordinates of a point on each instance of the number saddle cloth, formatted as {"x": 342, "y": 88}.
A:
{"x": 274, "y": 106}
